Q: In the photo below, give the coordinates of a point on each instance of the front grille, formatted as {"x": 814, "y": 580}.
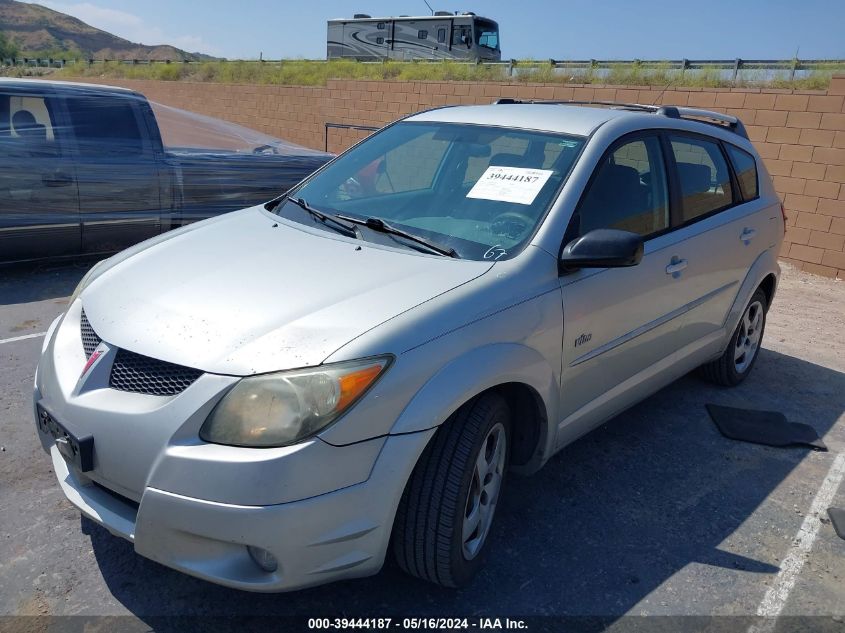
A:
{"x": 90, "y": 340}
{"x": 142, "y": 374}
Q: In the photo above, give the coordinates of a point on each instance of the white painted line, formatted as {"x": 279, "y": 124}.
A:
{"x": 21, "y": 338}
{"x": 777, "y": 595}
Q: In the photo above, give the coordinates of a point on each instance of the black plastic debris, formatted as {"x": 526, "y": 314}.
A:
{"x": 770, "y": 428}
{"x": 837, "y": 518}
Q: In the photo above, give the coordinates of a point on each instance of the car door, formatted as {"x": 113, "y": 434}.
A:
{"x": 724, "y": 226}
{"x": 117, "y": 171}
{"x": 39, "y": 203}
{"x": 620, "y": 324}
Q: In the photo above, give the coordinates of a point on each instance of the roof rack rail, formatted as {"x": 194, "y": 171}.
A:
{"x": 717, "y": 118}
{"x": 611, "y": 104}
{"x": 673, "y": 112}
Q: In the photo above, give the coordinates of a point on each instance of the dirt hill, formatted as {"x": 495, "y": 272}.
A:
{"x": 36, "y": 28}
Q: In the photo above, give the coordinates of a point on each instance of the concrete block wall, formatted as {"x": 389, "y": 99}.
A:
{"x": 799, "y": 134}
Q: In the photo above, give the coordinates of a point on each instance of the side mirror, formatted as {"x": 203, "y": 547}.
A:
{"x": 602, "y": 248}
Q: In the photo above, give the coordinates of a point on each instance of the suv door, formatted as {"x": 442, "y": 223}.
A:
{"x": 620, "y": 324}
{"x": 724, "y": 225}
{"x": 39, "y": 203}
{"x": 119, "y": 184}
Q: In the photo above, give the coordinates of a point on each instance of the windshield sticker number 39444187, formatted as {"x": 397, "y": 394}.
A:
{"x": 510, "y": 184}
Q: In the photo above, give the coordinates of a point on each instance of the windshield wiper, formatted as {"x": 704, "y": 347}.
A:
{"x": 377, "y": 224}
{"x": 327, "y": 218}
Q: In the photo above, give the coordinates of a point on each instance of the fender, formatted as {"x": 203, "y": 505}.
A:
{"x": 764, "y": 265}
{"x": 474, "y": 372}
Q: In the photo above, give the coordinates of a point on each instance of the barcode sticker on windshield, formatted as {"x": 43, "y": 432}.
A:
{"x": 510, "y": 184}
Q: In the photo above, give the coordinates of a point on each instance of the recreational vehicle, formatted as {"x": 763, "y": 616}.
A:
{"x": 444, "y": 35}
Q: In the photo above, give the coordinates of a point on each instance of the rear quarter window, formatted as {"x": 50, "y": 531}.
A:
{"x": 745, "y": 168}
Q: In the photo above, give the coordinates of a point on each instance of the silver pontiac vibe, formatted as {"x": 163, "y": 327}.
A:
{"x": 281, "y": 396}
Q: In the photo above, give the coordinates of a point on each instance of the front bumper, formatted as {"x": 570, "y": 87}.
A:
{"x": 342, "y": 534}
{"x": 325, "y": 512}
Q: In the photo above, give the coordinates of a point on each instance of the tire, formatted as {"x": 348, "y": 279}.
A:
{"x": 428, "y": 533}
{"x": 733, "y": 366}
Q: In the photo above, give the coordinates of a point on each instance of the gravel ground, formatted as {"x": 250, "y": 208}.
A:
{"x": 654, "y": 513}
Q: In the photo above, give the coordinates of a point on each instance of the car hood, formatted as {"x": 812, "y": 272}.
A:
{"x": 251, "y": 293}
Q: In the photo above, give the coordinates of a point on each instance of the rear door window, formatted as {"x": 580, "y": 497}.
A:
{"x": 745, "y": 168}
{"x": 105, "y": 125}
{"x": 703, "y": 177}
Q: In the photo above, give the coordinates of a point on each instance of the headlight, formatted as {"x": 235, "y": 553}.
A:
{"x": 287, "y": 407}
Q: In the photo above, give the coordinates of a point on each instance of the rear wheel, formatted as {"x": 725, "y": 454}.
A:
{"x": 447, "y": 510}
{"x": 732, "y": 367}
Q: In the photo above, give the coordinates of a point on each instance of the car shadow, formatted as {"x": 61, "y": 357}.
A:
{"x": 604, "y": 523}
{"x": 27, "y": 283}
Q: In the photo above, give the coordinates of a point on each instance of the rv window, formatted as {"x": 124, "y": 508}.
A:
{"x": 441, "y": 35}
{"x": 379, "y": 40}
{"x": 487, "y": 35}
{"x": 462, "y": 35}
{"x": 380, "y": 26}
{"x": 422, "y": 35}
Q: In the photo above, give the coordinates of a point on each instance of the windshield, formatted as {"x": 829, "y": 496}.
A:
{"x": 487, "y": 34}
{"x": 481, "y": 191}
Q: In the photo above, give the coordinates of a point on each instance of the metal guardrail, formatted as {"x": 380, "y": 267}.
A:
{"x": 344, "y": 126}
{"x": 731, "y": 67}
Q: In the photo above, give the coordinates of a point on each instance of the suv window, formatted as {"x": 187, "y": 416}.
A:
{"x": 703, "y": 176}
{"x": 745, "y": 168}
{"x": 105, "y": 124}
{"x": 628, "y": 190}
{"x": 26, "y": 126}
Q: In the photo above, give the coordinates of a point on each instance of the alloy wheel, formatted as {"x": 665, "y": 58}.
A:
{"x": 487, "y": 476}
{"x": 748, "y": 338}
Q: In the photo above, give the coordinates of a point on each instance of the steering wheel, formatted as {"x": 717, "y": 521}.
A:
{"x": 511, "y": 224}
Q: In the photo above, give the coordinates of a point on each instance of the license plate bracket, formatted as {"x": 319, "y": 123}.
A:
{"x": 77, "y": 449}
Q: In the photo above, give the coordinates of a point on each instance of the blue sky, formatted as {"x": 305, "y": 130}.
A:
{"x": 566, "y": 29}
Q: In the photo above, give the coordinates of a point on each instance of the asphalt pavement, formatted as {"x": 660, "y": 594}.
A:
{"x": 652, "y": 514}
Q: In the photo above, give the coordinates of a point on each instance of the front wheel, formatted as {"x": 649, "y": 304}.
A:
{"x": 446, "y": 512}
{"x": 732, "y": 367}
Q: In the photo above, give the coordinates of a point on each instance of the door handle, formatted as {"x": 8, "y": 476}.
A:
{"x": 747, "y": 235}
{"x": 57, "y": 179}
{"x": 676, "y": 267}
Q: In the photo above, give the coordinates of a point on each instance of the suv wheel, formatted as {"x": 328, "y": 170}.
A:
{"x": 735, "y": 364}
{"x": 446, "y": 512}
